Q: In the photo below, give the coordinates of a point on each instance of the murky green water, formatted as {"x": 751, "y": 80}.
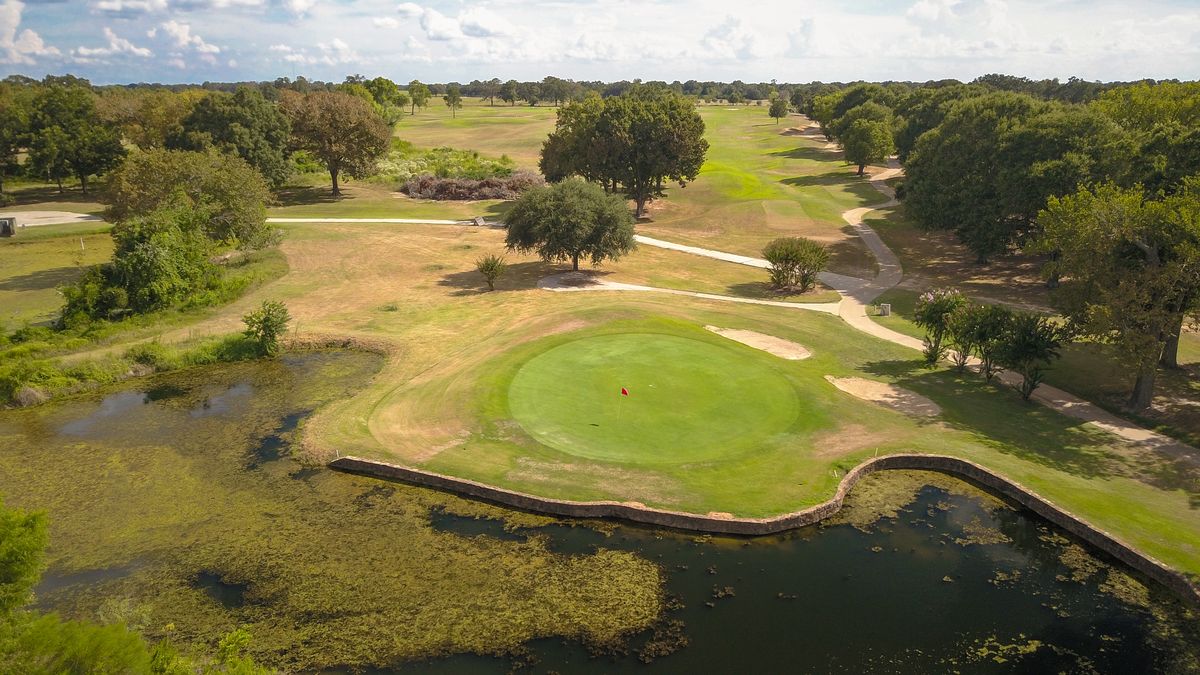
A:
{"x": 175, "y": 506}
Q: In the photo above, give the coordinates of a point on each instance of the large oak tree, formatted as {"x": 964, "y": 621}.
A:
{"x": 342, "y": 131}
{"x": 570, "y": 220}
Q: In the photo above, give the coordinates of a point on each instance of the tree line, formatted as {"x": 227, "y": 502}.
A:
{"x": 1104, "y": 185}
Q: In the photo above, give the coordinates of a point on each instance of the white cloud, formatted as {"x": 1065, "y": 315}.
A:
{"x": 385, "y": 22}
{"x": 332, "y": 53}
{"x": 116, "y": 45}
{"x": 438, "y": 26}
{"x": 730, "y": 40}
{"x": 23, "y": 47}
{"x": 299, "y": 7}
{"x": 181, "y": 34}
{"x": 409, "y": 10}
{"x": 482, "y": 22}
{"x": 128, "y": 7}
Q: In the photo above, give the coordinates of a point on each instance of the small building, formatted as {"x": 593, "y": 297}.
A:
{"x": 8, "y": 226}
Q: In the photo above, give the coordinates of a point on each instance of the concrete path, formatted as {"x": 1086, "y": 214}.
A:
{"x": 402, "y": 221}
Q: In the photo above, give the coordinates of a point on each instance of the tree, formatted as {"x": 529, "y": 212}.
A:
{"x": 1130, "y": 268}
{"x": 795, "y": 262}
{"x": 530, "y": 92}
{"x": 509, "y": 93}
{"x": 983, "y": 328}
{"x": 636, "y": 140}
{"x": 1029, "y": 345}
{"x": 952, "y": 176}
{"x": 265, "y": 325}
{"x": 14, "y": 130}
{"x": 491, "y": 267}
{"x": 933, "y": 312}
{"x": 232, "y": 195}
{"x": 569, "y": 220}
{"x": 418, "y": 94}
{"x": 245, "y": 124}
{"x": 867, "y": 142}
{"x": 67, "y": 134}
{"x": 778, "y": 109}
{"x": 342, "y": 131}
{"x": 453, "y": 98}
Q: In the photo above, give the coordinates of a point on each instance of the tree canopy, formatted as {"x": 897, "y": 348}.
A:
{"x": 632, "y": 142}
{"x": 342, "y": 131}
{"x": 227, "y": 189}
{"x": 67, "y": 136}
{"x": 570, "y": 220}
{"x": 244, "y": 123}
{"x": 1130, "y": 268}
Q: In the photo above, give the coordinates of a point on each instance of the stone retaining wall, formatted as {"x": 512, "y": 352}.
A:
{"x": 1152, "y": 568}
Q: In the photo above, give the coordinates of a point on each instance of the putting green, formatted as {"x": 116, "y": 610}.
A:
{"x": 689, "y": 400}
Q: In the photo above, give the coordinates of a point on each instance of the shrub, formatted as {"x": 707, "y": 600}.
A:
{"x": 933, "y": 312}
{"x": 404, "y": 162}
{"x": 1030, "y": 344}
{"x": 508, "y": 187}
{"x": 491, "y": 267}
{"x": 795, "y": 262}
{"x": 266, "y": 325}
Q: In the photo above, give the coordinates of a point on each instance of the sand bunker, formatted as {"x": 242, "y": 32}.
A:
{"x": 784, "y": 349}
{"x": 888, "y": 395}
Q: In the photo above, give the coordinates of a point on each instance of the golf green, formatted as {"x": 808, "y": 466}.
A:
{"x": 688, "y": 400}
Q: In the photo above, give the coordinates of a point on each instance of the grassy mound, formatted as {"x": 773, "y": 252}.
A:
{"x": 688, "y": 400}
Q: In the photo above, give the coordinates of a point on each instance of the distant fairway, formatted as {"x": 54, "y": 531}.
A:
{"x": 689, "y": 401}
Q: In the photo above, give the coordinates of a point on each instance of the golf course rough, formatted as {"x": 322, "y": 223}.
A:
{"x": 688, "y": 400}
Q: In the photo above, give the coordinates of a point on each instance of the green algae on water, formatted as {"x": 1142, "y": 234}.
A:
{"x": 178, "y": 505}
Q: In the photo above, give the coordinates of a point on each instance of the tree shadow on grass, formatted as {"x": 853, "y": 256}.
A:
{"x": 517, "y": 277}
{"x": 24, "y": 196}
{"x": 307, "y": 195}
{"x": 805, "y": 152}
{"x": 41, "y": 279}
{"x": 997, "y": 417}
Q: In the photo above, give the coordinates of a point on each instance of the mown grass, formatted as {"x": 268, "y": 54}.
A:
{"x": 36, "y": 262}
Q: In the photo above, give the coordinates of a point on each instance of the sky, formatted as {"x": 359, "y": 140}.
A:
{"x": 173, "y": 41}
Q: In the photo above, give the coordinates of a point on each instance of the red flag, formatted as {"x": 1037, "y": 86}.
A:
{"x": 624, "y": 391}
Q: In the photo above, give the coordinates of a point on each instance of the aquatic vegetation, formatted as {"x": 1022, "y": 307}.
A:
{"x": 164, "y": 504}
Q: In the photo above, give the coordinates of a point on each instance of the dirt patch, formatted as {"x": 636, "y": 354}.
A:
{"x": 847, "y": 439}
{"x": 887, "y": 395}
{"x": 784, "y": 349}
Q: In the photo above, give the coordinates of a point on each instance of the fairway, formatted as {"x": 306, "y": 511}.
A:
{"x": 688, "y": 400}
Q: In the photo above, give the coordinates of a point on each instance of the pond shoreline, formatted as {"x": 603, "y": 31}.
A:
{"x": 1171, "y": 578}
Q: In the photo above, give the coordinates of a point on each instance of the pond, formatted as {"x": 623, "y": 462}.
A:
{"x": 178, "y": 506}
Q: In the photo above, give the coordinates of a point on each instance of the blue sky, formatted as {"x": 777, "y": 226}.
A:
{"x": 442, "y": 40}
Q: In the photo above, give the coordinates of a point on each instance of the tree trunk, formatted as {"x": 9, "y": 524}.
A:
{"x": 861, "y": 167}
{"x": 1143, "y": 391}
{"x": 1170, "y": 353}
{"x": 83, "y": 184}
{"x": 333, "y": 174}
{"x": 641, "y": 207}
{"x": 575, "y": 262}
{"x": 58, "y": 179}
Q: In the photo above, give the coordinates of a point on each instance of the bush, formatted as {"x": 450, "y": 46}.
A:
{"x": 508, "y": 187}
{"x": 266, "y": 325}
{"x": 404, "y": 162}
{"x": 491, "y": 267}
{"x": 933, "y": 312}
{"x": 795, "y": 262}
{"x": 1030, "y": 344}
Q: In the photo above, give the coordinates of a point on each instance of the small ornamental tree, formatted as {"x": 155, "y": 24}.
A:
{"x": 989, "y": 327}
{"x": 795, "y": 262}
{"x": 933, "y": 312}
{"x": 491, "y": 267}
{"x": 960, "y": 334}
{"x": 570, "y": 220}
{"x": 1030, "y": 344}
{"x": 265, "y": 325}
